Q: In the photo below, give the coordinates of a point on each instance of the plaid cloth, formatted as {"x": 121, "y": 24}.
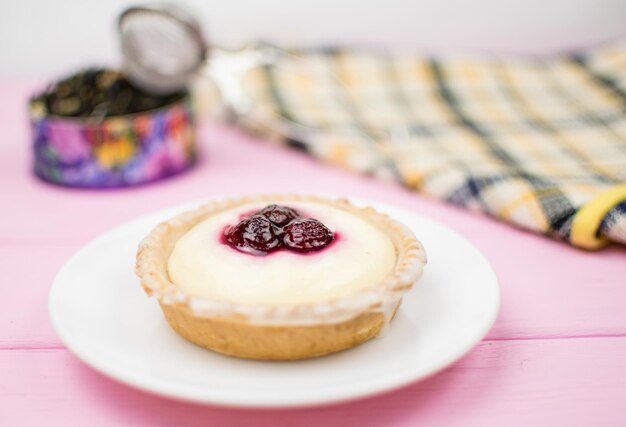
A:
{"x": 538, "y": 143}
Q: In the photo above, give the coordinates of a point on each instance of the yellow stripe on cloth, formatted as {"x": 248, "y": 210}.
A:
{"x": 589, "y": 217}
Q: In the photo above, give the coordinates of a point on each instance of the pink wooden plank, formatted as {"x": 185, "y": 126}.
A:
{"x": 585, "y": 300}
{"x": 567, "y": 382}
{"x": 24, "y": 318}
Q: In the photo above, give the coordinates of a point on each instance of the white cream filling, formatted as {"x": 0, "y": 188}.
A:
{"x": 361, "y": 257}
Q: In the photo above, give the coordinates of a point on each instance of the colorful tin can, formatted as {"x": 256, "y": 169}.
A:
{"x": 113, "y": 151}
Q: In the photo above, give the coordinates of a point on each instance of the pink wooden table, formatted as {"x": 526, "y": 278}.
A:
{"x": 556, "y": 355}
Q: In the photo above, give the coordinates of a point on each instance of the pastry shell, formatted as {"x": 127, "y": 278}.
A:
{"x": 283, "y": 332}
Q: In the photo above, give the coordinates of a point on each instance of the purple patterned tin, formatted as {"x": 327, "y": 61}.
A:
{"x": 114, "y": 151}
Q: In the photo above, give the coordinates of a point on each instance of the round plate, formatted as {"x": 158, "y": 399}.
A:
{"x": 103, "y": 315}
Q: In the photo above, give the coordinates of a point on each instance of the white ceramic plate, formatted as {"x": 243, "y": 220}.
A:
{"x": 103, "y": 315}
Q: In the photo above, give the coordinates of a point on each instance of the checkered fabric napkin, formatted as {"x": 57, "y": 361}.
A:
{"x": 538, "y": 143}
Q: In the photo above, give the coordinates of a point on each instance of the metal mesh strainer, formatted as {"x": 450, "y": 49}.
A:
{"x": 162, "y": 45}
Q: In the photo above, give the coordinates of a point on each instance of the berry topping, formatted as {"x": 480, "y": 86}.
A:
{"x": 277, "y": 226}
{"x": 305, "y": 235}
{"x": 279, "y": 215}
{"x": 254, "y": 235}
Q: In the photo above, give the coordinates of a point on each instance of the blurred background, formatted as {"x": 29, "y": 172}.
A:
{"x": 38, "y": 36}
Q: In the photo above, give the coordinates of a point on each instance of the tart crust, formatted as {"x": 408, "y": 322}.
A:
{"x": 285, "y": 332}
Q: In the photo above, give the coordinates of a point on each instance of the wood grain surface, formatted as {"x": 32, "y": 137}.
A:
{"x": 556, "y": 355}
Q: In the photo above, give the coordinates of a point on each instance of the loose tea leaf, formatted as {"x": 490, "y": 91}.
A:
{"x": 99, "y": 92}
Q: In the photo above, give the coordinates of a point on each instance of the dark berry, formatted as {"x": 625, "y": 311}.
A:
{"x": 254, "y": 235}
{"x": 280, "y": 215}
{"x": 308, "y": 234}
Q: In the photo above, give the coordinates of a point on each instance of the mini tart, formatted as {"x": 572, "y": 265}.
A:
{"x": 288, "y": 329}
